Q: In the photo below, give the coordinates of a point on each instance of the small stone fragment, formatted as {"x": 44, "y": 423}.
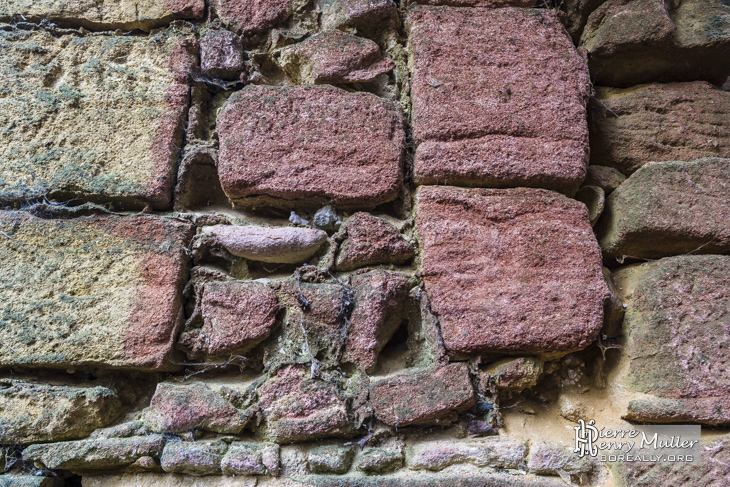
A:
{"x": 252, "y": 17}
{"x": 236, "y": 317}
{"x": 284, "y": 245}
{"x": 221, "y": 54}
{"x": 495, "y": 452}
{"x": 251, "y": 459}
{"x": 669, "y": 208}
{"x": 334, "y": 57}
{"x": 572, "y": 408}
{"x": 180, "y": 408}
{"x": 370, "y": 240}
{"x": 297, "y": 220}
{"x": 379, "y": 461}
{"x": 606, "y": 178}
{"x": 193, "y": 458}
{"x": 594, "y": 199}
{"x": 427, "y": 397}
{"x": 379, "y": 301}
{"x": 326, "y": 218}
{"x": 515, "y": 374}
{"x": 298, "y": 408}
{"x": 309, "y": 145}
{"x": 548, "y": 458}
{"x": 31, "y": 412}
{"x": 332, "y": 459}
{"x": 93, "y": 455}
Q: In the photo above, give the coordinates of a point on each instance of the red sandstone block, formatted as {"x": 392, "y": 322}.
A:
{"x": 493, "y": 106}
{"x": 515, "y": 270}
{"x": 282, "y": 146}
{"x": 251, "y": 17}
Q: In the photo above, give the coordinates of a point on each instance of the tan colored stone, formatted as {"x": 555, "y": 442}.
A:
{"x": 31, "y": 412}
{"x": 103, "y": 14}
{"x": 95, "y": 117}
{"x": 495, "y": 452}
{"x": 101, "y": 291}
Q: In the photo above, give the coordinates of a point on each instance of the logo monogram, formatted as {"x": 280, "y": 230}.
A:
{"x": 585, "y": 436}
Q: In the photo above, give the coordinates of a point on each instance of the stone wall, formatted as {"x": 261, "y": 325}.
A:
{"x": 360, "y": 242}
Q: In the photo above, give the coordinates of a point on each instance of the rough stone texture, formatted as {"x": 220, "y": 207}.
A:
{"x": 379, "y": 301}
{"x": 332, "y": 459}
{"x": 103, "y": 14}
{"x": 32, "y": 412}
{"x": 251, "y": 459}
{"x": 495, "y": 452}
{"x": 180, "y": 408}
{"x": 669, "y": 208}
{"x": 713, "y": 469}
{"x": 637, "y": 41}
{"x": 252, "y": 17}
{"x": 334, "y": 57}
{"x": 548, "y": 458}
{"x": 510, "y": 270}
{"x": 678, "y": 334}
{"x": 30, "y": 481}
{"x": 498, "y": 109}
{"x": 236, "y": 317}
{"x": 606, "y": 178}
{"x": 476, "y": 3}
{"x": 221, "y": 54}
{"x": 576, "y": 15}
{"x": 659, "y": 122}
{"x": 193, "y": 458}
{"x": 91, "y": 455}
{"x": 98, "y": 290}
{"x": 298, "y": 408}
{"x": 514, "y": 374}
{"x": 283, "y": 245}
{"x": 379, "y": 461}
{"x": 426, "y": 397}
{"x": 369, "y": 240}
{"x": 357, "y": 13}
{"x": 315, "y": 143}
{"x": 98, "y": 116}
{"x": 595, "y": 200}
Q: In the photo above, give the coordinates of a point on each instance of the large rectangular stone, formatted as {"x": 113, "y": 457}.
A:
{"x": 492, "y": 106}
{"x": 103, "y": 14}
{"x": 284, "y": 146}
{"x": 513, "y": 270}
{"x": 98, "y": 290}
{"x": 96, "y": 117}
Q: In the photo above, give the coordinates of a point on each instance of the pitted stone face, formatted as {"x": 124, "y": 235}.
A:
{"x": 98, "y": 291}
{"x": 287, "y": 146}
{"x": 492, "y": 106}
{"x": 251, "y": 17}
{"x": 100, "y": 117}
{"x": 515, "y": 270}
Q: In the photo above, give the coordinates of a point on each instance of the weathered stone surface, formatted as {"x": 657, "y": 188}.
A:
{"x": 221, "y": 54}
{"x": 606, "y": 178}
{"x": 712, "y": 470}
{"x": 193, "y": 458}
{"x": 514, "y": 374}
{"x": 659, "y": 122}
{"x": 101, "y": 117}
{"x": 595, "y": 200}
{"x": 180, "y": 408}
{"x": 30, "y": 481}
{"x": 379, "y": 460}
{"x": 91, "y": 455}
{"x": 576, "y": 15}
{"x": 369, "y": 240}
{"x": 253, "y": 16}
{"x": 32, "y": 412}
{"x": 495, "y": 452}
{"x": 334, "y": 57}
{"x": 283, "y": 245}
{"x": 103, "y": 14}
{"x": 298, "y": 408}
{"x": 637, "y": 41}
{"x": 669, "y": 208}
{"x": 236, "y": 317}
{"x": 425, "y": 397}
{"x": 357, "y": 13}
{"x": 678, "y": 332}
{"x": 477, "y": 3}
{"x": 315, "y": 144}
{"x": 493, "y": 107}
{"x": 379, "y": 300}
{"x": 332, "y": 459}
{"x": 251, "y": 459}
{"x": 548, "y": 458}
{"x": 514, "y": 270}
{"x": 98, "y": 290}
